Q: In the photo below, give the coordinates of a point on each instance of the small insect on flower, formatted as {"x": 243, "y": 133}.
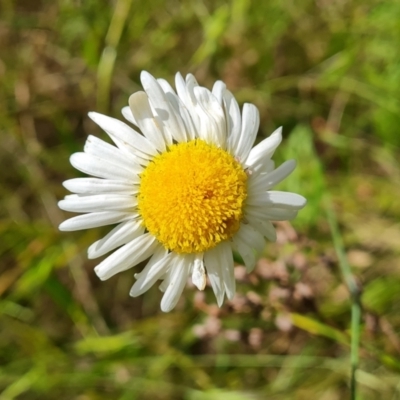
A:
{"x": 186, "y": 191}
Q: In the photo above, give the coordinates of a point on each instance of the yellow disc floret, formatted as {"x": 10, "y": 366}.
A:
{"x": 191, "y": 197}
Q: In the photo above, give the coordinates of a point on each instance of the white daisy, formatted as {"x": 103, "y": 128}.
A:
{"x": 186, "y": 191}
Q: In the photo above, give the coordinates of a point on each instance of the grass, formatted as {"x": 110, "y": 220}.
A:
{"x": 319, "y": 317}
{"x": 354, "y": 290}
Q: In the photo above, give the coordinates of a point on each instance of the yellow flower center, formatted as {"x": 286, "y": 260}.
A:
{"x": 191, "y": 197}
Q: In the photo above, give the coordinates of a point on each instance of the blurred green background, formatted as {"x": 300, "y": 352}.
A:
{"x": 329, "y": 73}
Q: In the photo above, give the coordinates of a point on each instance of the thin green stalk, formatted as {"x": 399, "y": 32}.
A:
{"x": 354, "y": 292}
{"x": 109, "y": 54}
{"x": 355, "y": 342}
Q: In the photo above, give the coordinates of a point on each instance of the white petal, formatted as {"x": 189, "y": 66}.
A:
{"x": 166, "y": 277}
{"x": 214, "y": 272}
{"x": 127, "y": 256}
{"x": 94, "y": 220}
{"x": 265, "y": 227}
{"x": 121, "y": 234}
{"x": 191, "y": 131}
{"x": 250, "y": 124}
{"x": 95, "y": 185}
{"x": 127, "y": 113}
{"x": 280, "y": 214}
{"x": 164, "y": 284}
{"x": 178, "y": 277}
{"x": 245, "y": 252}
{"x": 199, "y": 278}
{"x": 170, "y": 94}
{"x": 251, "y": 237}
{"x": 264, "y": 150}
{"x": 211, "y": 116}
{"x": 109, "y": 153}
{"x": 227, "y": 267}
{"x": 262, "y": 168}
{"x": 180, "y": 85}
{"x": 126, "y": 138}
{"x": 262, "y": 182}
{"x": 185, "y": 88}
{"x": 154, "y": 270}
{"x": 218, "y": 91}
{"x": 185, "y": 92}
{"x": 233, "y": 121}
{"x": 172, "y": 123}
{"x": 147, "y": 122}
{"x": 287, "y": 200}
{"x": 96, "y": 166}
{"x": 166, "y": 87}
{"x": 270, "y": 214}
{"x": 191, "y": 83}
{"x": 180, "y": 109}
{"x": 97, "y": 202}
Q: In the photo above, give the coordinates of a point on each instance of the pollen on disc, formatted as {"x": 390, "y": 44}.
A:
{"x": 191, "y": 197}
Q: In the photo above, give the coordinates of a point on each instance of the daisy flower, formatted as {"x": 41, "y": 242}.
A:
{"x": 184, "y": 188}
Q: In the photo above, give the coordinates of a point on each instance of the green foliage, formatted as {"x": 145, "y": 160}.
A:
{"x": 381, "y": 294}
{"x": 328, "y": 72}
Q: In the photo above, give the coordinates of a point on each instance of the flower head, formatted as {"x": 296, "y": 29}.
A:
{"x": 186, "y": 191}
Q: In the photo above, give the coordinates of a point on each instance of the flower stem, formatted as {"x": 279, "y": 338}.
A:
{"x": 355, "y": 293}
